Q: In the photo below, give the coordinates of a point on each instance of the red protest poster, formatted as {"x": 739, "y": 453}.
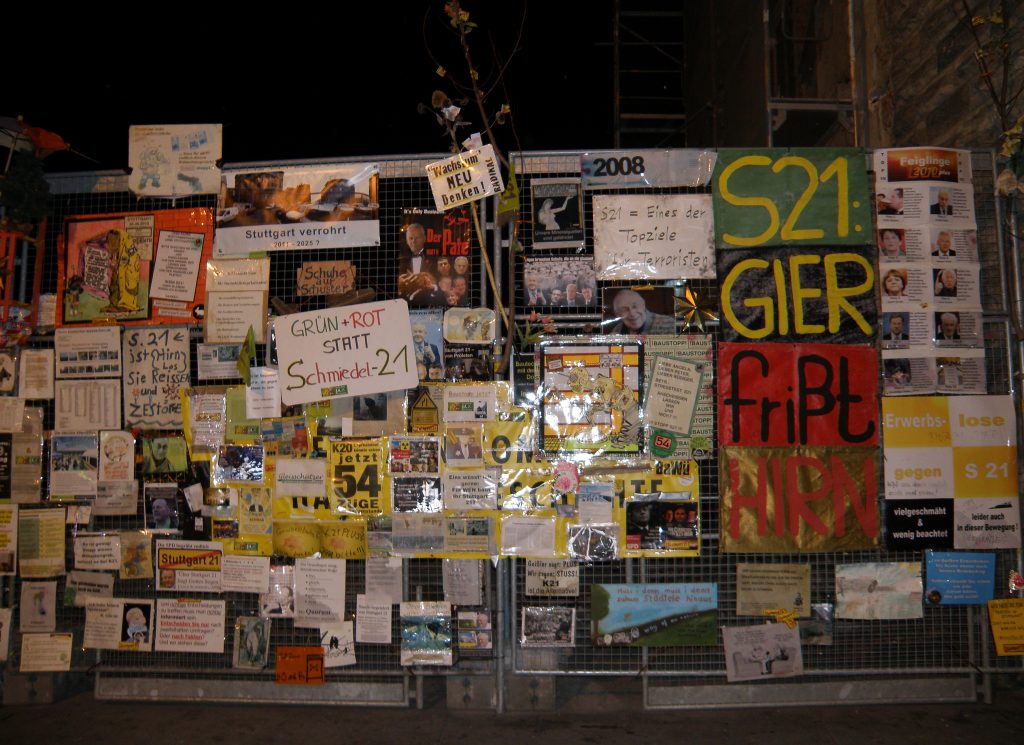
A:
{"x": 797, "y": 394}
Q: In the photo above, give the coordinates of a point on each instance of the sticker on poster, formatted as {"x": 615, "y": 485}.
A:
{"x": 986, "y": 523}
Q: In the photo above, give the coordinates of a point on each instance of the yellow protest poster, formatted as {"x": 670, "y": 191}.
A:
{"x": 1006, "y": 616}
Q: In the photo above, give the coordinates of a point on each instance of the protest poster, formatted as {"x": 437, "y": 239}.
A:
{"x": 37, "y": 609}
{"x": 770, "y": 650}
{"x": 46, "y": 653}
{"x": 805, "y": 394}
{"x": 251, "y": 649}
{"x": 80, "y": 587}
{"x": 373, "y": 619}
{"x": 655, "y": 615}
{"x": 319, "y": 592}
{"x": 345, "y": 351}
{"x": 174, "y": 160}
{"x": 799, "y": 467}
{"x": 190, "y": 625}
{"x": 546, "y": 626}
{"x": 552, "y": 577}
{"x": 157, "y": 362}
{"x": 115, "y": 623}
{"x": 558, "y": 213}
{"x": 808, "y": 196}
{"x": 593, "y": 398}
{"x": 108, "y": 264}
{"x": 959, "y": 577}
{"x": 788, "y": 500}
{"x": 466, "y": 177}
{"x": 798, "y": 294}
{"x": 435, "y": 263}
{"x": 338, "y": 644}
{"x": 40, "y": 536}
{"x": 426, "y": 633}
{"x": 763, "y": 587}
{"x": 879, "y": 591}
{"x": 958, "y": 447}
{"x": 298, "y": 207}
{"x": 1006, "y": 619}
{"x": 672, "y": 441}
{"x": 97, "y": 551}
{"x": 8, "y": 539}
{"x": 325, "y": 278}
{"x": 188, "y": 566}
{"x": 299, "y": 665}
{"x": 653, "y": 237}
{"x": 88, "y": 352}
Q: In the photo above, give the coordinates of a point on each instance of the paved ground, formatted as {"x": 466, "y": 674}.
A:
{"x": 81, "y": 719}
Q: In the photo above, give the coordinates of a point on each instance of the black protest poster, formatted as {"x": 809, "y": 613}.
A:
{"x": 799, "y": 295}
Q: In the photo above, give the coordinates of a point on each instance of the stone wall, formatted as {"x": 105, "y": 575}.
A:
{"x": 923, "y": 81}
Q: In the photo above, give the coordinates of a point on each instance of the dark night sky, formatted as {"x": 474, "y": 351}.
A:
{"x": 345, "y": 86}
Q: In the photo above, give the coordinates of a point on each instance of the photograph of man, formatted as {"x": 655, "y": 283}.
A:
{"x": 943, "y": 246}
{"x": 417, "y": 281}
{"x": 427, "y": 354}
{"x": 891, "y": 203}
{"x": 156, "y": 458}
{"x": 894, "y": 327}
{"x": 945, "y": 282}
{"x": 162, "y": 511}
{"x": 947, "y": 326}
{"x": 941, "y": 205}
{"x": 629, "y": 311}
{"x": 572, "y": 297}
{"x": 534, "y": 295}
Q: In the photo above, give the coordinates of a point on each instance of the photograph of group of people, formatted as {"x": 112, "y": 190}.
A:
{"x": 560, "y": 282}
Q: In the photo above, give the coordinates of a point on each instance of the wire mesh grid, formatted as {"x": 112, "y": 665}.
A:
{"x": 949, "y": 638}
